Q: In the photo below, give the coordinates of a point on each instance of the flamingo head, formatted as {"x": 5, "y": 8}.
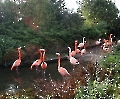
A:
{"x": 42, "y": 50}
{"x": 69, "y": 49}
{"x": 58, "y": 54}
{"x": 76, "y": 41}
{"x": 100, "y": 39}
{"x": 19, "y": 48}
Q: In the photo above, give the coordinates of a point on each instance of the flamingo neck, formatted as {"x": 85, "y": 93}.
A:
{"x": 43, "y": 57}
{"x": 69, "y": 52}
{"x": 19, "y": 54}
{"x": 75, "y": 46}
{"x": 59, "y": 61}
{"x": 40, "y": 55}
{"x": 110, "y": 38}
{"x": 83, "y": 39}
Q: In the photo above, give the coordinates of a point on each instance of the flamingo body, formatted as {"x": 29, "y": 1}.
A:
{"x": 16, "y": 63}
{"x": 63, "y": 71}
{"x": 83, "y": 51}
{"x": 98, "y": 42}
{"x": 43, "y": 65}
{"x": 74, "y": 61}
{"x": 36, "y": 63}
{"x": 118, "y": 42}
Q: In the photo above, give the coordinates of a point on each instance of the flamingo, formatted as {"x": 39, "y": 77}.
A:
{"x": 43, "y": 63}
{"x": 73, "y": 60}
{"x": 82, "y": 44}
{"x": 98, "y": 42}
{"x": 105, "y": 49}
{"x": 73, "y": 53}
{"x": 37, "y": 62}
{"x": 76, "y": 47}
{"x": 18, "y": 61}
{"x": 61, "y": 70}
{"x": 83, "y": 51}
{"x": 110, "y": 39}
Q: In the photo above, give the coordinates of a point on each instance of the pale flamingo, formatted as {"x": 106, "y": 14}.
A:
{"x": 18, "y": 61}
{"x": 98, "y": 42}
{"x": 110, "y": 40}
{"x": 61, "y": 70}
{"x": 73, "y": 60}
{"x": 105, "y": 49}
{"x": 83, "y": 51}
{"x": 82, "y": 44}
{"x": 37, "y": 62}
{"x": 43, "y": 63}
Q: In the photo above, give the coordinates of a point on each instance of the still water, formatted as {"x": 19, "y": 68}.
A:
{"x": 27, "y": 76}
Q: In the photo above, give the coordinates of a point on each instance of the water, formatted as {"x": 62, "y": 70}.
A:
{"x": 11, "y": 80}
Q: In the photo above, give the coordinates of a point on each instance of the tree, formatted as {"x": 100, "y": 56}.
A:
{"x": 96, "y": 11}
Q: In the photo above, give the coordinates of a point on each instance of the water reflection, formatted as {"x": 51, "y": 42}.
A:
{"x": 11, "y": 81}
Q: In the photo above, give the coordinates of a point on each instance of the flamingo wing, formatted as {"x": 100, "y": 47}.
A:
{"x": 81, "y": 45}
{"x": 74, "y": 61}
{"x": 63, "y": 71}
{"x": 16, "y": 63}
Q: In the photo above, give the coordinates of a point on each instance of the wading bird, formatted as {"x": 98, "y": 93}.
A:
{"x": 18, "y": 61}
{"x": 73, "y": 53}
{"x": 105, "y": 48}
{"x": 43, "y": 63}
{"x": 61, "y": 70}
{"x": 83, "y": 51}
{"x": 110, "y": 40}
{"x": 82, "y": 44}
{"x": 98, "y": 42}
{"x": 37, "y": 62}
{"x": 73, "y": 61}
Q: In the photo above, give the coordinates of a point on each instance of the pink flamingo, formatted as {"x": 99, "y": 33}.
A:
{"x": 83, "y": 51}
{"x": 82, "y": 44}
{"x": 98, "y": 42}
{"x": 73, "y": 53}
{"x": 18, "y": 61}
{"x": 37, "y": 62}
{"x": 73, "y": 61}
{"x": 43, "y": 63}
{"x": 61, "y": 70}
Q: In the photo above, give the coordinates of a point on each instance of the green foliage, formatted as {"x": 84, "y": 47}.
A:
{"x": 96, "y": 11}
{"x": 95, "y": 90}
{"x": 109, "y": 88}
{"x": 94, "y": 30}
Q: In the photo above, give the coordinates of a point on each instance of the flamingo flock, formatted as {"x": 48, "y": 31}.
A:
{"x": 78, "y": 49}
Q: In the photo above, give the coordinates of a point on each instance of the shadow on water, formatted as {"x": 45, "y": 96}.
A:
{"x": 27, "y": 76}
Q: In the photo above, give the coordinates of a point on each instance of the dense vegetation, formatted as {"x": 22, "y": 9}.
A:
{"x": 108, "y": 84}
{"x": 42, "y": 23}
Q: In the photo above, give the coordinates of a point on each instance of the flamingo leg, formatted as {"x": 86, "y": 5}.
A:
{"x": 44, "y": 74}
{"x": 17, "y": 70}
{"x": 73, "y": 67}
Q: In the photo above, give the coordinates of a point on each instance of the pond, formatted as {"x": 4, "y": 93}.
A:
{"x": 10, "y": 79}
